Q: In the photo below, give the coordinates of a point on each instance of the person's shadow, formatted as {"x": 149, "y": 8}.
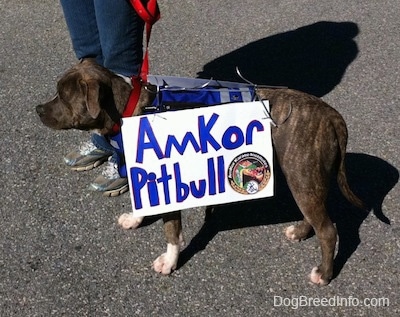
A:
{"x": 313, "y": 59}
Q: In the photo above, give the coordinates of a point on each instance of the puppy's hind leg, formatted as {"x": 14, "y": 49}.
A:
{"x": 168, "y": 261}
{"x": 315, "y": 215}
{"x": 327, "y": 236}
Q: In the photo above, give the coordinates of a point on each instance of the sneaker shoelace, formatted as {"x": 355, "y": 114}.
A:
{"x": 111, "y": 170}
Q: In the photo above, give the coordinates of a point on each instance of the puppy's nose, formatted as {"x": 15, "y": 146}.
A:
{"x": 40, "y": 109}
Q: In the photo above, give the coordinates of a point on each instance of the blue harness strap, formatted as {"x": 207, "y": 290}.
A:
{"x": 207, "y": 96}
{"x": 194, "y": 91}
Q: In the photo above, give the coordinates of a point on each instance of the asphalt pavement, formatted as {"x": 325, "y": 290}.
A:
{"x": 61, "y": 250}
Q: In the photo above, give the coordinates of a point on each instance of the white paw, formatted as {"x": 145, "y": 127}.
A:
{"x": 291, "y": 234}
{"x": 167, "y": 261}
{"x": 128, "y": 221}
{"x": 316, "y": 277}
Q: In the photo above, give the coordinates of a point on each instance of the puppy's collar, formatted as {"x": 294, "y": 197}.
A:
{"x": 132, "y": 102}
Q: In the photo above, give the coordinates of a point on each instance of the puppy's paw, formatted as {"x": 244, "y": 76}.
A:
{"x": 316, "y": 277}
{"x": 163, "y": 265}
{"x": 292, "y": 234}
{"x": 297, "y": 232}
{"x": 128, "y": 221}
{"x": 166, "y": 262}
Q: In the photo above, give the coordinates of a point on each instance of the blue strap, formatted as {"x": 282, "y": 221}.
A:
{"x": 208, "y": 96}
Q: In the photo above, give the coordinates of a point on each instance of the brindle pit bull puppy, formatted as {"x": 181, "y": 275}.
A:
{"x": 310, "y": 146}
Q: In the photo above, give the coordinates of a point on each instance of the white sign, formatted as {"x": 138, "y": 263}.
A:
{"x": 198, "y": 157}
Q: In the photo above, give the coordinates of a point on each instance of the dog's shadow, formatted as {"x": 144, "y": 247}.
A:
{"x": 369, "y": 177}
{"x": 312, "y": 58}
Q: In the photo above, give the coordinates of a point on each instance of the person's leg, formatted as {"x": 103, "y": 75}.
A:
{"x": 112, "y": 32}
{"x": 121, "y": 36}
{"x": 81, "y": 22}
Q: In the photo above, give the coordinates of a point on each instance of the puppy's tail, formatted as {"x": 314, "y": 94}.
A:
{"x": 341, "y": 134}
{"x": 345, "y": 189}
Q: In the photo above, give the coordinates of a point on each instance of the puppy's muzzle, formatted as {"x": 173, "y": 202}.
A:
{"x": 48, "y": 118}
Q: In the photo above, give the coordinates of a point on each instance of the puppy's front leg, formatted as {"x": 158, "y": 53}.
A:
{"x": 167, "y": 261}
{"x": 129, "y": 221}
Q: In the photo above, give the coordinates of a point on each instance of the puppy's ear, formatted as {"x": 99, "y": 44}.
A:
{"x": 91, "y": 90}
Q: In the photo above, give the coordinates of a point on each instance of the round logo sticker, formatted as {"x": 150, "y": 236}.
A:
{"x": 249, "y": 173}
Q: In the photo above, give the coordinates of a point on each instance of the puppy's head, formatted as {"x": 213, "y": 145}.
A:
{"x": 89, "y": 97}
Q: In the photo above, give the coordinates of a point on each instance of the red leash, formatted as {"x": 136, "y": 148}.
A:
{"x": 150, "y": 14}
{"x": 132, "y": 102}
